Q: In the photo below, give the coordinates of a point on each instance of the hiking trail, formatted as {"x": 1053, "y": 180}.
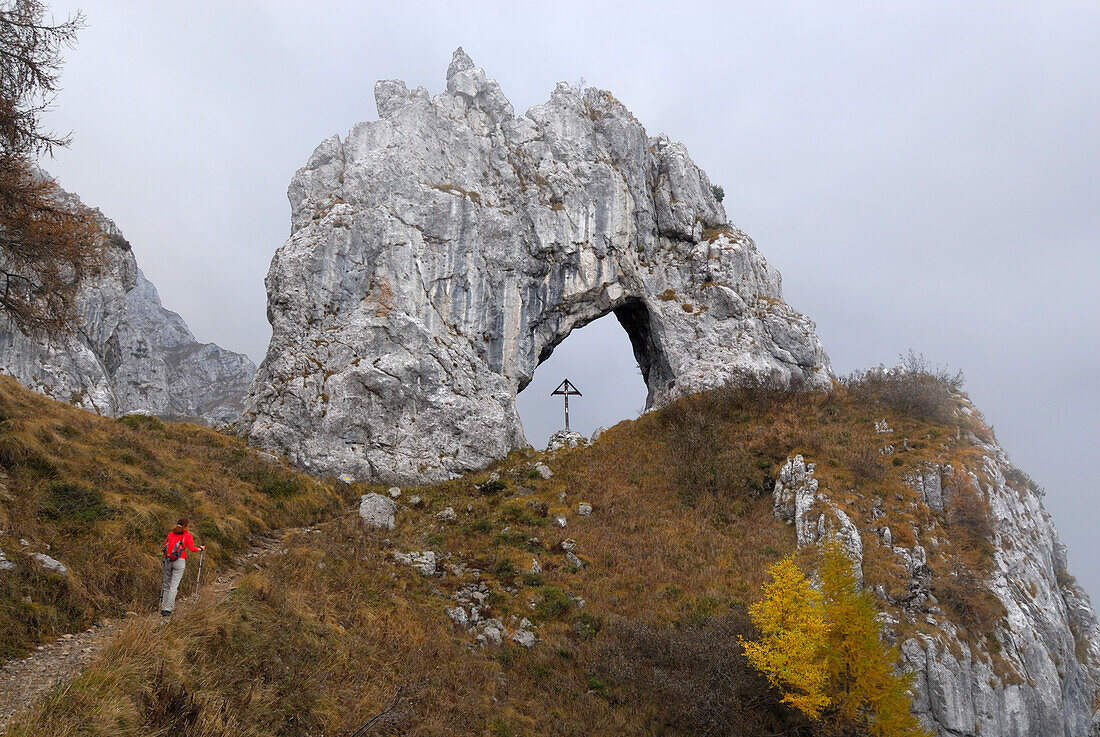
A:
{"x": 24, "y": 681}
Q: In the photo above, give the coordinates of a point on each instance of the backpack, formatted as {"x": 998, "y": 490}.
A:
{"x": 176, "y": 550}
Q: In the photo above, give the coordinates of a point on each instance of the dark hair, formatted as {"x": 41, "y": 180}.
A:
{"x": 182, "y": 521}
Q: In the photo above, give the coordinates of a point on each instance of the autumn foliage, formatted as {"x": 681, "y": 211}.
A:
{"x": 822, "y": 647}
{"x": 791, "y": 620}
{"x": 46, "y": 244}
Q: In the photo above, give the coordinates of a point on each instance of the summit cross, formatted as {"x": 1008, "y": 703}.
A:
{"x": 566, "y": 389}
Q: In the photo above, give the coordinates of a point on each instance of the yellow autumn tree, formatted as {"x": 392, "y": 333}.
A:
{"x": 864, "y": 686}
{"x": 791, "y": 622}
{"x": 822, "y": 647}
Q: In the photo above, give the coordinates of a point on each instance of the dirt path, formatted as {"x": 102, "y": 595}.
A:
{"x": 22, "y": 682}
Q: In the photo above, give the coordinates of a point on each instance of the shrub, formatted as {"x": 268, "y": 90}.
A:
{"x": 276, "y": 485}
{"x": 40, "y": 465}
{"x": 758, "y": 395}
{"x": 595, "y": 684}
{"x": 588, "y": 625}
{"x": 718, "y": 192}
{"x": 14, "y": 450}
{"x": 521, "y": 515}
{"x": 555, "y": 604}
{"x": 914, "y": 388}
{"x": 208, "y": 531}
{"x": 270, "y": 480}
{"x": 969, "y": 517}
{"x": 695, "y": 677}
{"x": 505, "y": 569}
{"x": 489, "y": 488}
{"x": 695, "y": 444}
{"x": 69, "y": 502}
{"x": 961, "y": 572}
{"x": 482, "y": 526}
{"x": 168, "y": 704}
{"x": 966, "y": 594}
{"x": 866, "y": 464}
{"x": 699, "y": 450}
{"x": 1020, "y": 481}
{"x": 142, "y": 423}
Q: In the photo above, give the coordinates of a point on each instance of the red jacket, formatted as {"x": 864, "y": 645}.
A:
{"x": 188, "y": 542}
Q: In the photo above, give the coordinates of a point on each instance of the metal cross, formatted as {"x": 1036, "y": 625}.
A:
{"x": 566, "y": 390}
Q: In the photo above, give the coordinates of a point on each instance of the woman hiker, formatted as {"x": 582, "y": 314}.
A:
{"x": 176, "y": 545}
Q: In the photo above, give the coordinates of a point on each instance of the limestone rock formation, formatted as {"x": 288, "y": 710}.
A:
{"x": 1037, "y": 672}
{"x": 129, "y": 354}
{"x": 440, "y": 253}
{"x": 796, "y": 499}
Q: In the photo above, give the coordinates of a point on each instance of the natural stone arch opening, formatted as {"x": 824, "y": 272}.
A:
{"x": 599, "y": 359}
{"x": 634, "y": 318}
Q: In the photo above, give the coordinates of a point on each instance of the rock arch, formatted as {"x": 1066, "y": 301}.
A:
{"x": 439, "y": 254}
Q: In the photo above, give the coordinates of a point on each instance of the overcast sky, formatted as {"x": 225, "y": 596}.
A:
{"x": 924, "y": 175}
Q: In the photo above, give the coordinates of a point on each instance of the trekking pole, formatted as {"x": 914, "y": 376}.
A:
{"x": 199, "y": 574}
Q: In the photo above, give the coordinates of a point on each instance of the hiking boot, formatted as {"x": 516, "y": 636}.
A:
{"x": 165, "y": 613}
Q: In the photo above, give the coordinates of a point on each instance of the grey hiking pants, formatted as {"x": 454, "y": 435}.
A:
{"x": 170, "y": 583}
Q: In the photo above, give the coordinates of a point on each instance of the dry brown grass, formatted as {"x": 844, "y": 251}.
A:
{"x": 300, "y": 649}
{"x": 102, "y": 494}
{"x": 682, "y": 534}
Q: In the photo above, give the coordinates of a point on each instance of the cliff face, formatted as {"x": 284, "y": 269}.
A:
{"x": 1033, "y": 668}
{"x": 439, "y": 254}
{"x": 128, "y": 354}
{"x": 1039, "y": 672}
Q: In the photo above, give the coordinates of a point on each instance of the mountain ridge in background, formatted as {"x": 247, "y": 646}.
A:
{"x": 128, "y": 353}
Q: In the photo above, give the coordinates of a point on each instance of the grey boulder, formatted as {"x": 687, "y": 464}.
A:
{"x": 377, "y": 511}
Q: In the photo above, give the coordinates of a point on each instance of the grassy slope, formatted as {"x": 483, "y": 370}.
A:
{"x": 102, "y": 494}
{"x": 318, "y": 639}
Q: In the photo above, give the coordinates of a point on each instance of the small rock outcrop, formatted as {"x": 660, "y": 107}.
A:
{"x": 50, "y": 564}
{"x": 796, "y": 500}
{"x": 472, "y": 614}
{"x": 424, "y": 561}
{"x": 128, "y": 354}
{"x": 565, "y": 439}
{"x": 439, "y": 254}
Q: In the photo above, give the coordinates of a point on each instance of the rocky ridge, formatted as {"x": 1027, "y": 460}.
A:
{"x": 440, "y": 253}
{"x": 1038, "y": 671}
{"x": 129, "y": 354}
